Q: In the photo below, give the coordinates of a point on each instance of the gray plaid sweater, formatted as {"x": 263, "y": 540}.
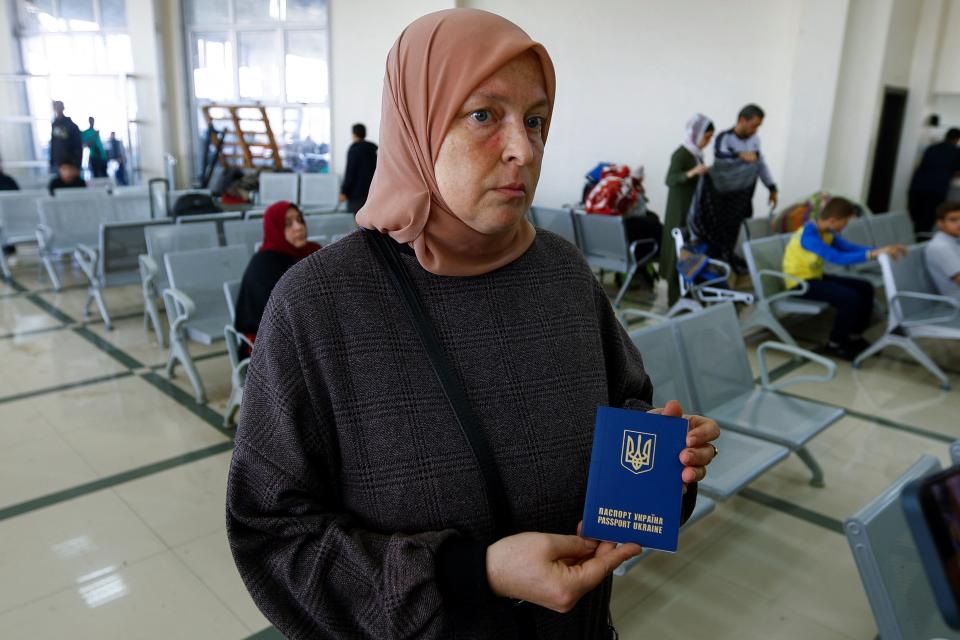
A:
{"x": 354, "y": 506}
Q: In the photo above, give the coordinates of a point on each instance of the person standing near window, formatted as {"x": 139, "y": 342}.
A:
{"x": 361, "y": 163}
{"x": 65, "y": 141}
{"x": 98, "y": 156}
{"x": 115, "y": 152}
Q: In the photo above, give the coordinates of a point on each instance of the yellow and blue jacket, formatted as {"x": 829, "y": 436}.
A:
{"x": 808, "y": 249}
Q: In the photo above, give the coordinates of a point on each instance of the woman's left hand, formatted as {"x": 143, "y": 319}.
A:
{"x": 701, "y": 432}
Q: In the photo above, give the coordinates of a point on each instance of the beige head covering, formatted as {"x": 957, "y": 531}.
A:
{"x": 434, "y": 65}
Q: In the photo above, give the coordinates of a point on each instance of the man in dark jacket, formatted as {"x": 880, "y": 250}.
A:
{"x": 65, "y": 143}
{"x": 361, "y": 163}
{"x": 931, "y": 180}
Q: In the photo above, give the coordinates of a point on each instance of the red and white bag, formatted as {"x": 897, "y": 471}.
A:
{"x": 616, "y": 193}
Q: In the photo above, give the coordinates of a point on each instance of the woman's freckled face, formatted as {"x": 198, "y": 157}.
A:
{"x": 489, "y": 162}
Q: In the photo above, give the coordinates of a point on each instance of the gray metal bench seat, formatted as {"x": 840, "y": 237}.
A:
{"x": 914, "y": 310}
{"x": 161, "y": 240}
{"x": 773, "y": 299}
{"x": 195, "y": 302}
{"x": 889, "y": 564}
{"x": 114, "y": 261}
{"x": 722, "y": 383}
{"x": 744, "y": 457}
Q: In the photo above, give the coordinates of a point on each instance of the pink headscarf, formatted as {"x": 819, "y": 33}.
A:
{"x": 432, "y": 68}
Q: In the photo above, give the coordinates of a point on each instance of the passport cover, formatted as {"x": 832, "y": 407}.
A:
{"x": 634, "y": 490}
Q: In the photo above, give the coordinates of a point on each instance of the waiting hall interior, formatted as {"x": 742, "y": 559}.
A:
{"x": 217, "y": 419}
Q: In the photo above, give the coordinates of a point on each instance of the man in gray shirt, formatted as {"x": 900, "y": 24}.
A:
{"x": 943, "y": 253}
{"x": 743, "y": 142}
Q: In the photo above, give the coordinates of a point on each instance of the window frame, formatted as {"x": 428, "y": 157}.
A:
{"x": 233, "y": 29}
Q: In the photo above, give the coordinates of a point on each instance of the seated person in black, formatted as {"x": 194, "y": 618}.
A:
{"x": 68, "y": 177}
{"x": 284, "y": 244}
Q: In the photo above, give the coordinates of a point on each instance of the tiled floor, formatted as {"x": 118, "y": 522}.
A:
{"x": 112, "y": 487}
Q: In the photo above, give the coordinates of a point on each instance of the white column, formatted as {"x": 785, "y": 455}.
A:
{"x": 926, "y": 45}
{"x": 859, "y": 97}
{"x": 813, "y": 90}
{"x": 148, "y": 71}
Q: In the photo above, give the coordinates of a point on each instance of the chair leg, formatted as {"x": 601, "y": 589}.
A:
{"x": 51, "y": 271}
{"x": 626, "y": 285}
{"x": 102, "y": 306}
{"x": 180, "y": 353}
{"x": 151, "y": 316}
{"x": 236, "y": 398}
{"x": 4, "y": 267}
{"x": 813, "y": 465}
{"x": 914, "y": 351}
{"x": 763, "y": 318}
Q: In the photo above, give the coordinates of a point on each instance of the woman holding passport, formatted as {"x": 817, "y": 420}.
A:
{"x": 413, "y": 448}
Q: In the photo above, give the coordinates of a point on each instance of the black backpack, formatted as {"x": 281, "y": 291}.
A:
{"x": 193, "y": 204}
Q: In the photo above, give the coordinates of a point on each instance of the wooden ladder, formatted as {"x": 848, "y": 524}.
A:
{"x": 249, "y": 141}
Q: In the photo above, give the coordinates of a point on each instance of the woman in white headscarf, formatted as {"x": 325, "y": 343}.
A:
{"x": 686, "y": 166}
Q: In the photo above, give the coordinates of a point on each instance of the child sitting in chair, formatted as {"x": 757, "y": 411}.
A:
{"x": 819, "y": 241}
{"x": 942, "y": 255}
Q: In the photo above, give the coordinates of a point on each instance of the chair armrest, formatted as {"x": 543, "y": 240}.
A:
{"x": 179, "y": 307}
{"x": 713, "y": 294}
{"x": 827, "y": 363}
{"x": 796, "y": 291}
{"x": 44, "y": 234}
{"x": 87, "y": 258}
{"x": 647, "y": 256}
{"x": 639, "y": 313}
{"x": 929, "y": 297}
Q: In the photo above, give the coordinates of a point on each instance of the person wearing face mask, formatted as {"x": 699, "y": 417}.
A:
{"x": 686, "y": 167}
{"x": 284, "y": 244}
{"x": 362, "y": 501}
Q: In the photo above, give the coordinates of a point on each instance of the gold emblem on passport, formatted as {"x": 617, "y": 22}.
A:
{"x": 637, "y": 451}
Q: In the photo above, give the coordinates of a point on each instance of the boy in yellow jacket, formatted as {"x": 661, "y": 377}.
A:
{"x": 819, "y": 241}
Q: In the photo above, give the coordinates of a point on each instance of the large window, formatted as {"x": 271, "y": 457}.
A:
{"x": 78, "y": 52}
{"x": 270, "y": 53}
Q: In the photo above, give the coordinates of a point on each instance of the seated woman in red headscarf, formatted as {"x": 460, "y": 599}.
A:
{"x": 284, "y": 244}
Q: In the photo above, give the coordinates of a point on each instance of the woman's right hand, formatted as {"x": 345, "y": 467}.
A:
{"x": 698, "y": 170}
{"x": 551, "y": 570}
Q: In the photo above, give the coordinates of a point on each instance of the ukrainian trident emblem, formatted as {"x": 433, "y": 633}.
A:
{"x": 636, "y": 454}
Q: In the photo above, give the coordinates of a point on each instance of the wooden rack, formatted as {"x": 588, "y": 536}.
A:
{"x": 248, "y": 141}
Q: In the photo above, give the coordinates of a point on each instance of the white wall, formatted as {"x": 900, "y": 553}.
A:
{"x": 361, "y": 34}
{"x": 927, "y": 36}
{"x": 857, "y": 107}
{"x": 948, "y": 71}
{"x": 630, "y": 74}
{"x": 813, "y": 90}
{"x": 148, "y": 70}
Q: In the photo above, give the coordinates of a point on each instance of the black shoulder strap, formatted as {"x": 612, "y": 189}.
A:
{"x": 389, "y": 256}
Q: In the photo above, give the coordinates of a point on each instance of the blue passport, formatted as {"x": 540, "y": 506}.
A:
{"x": 634, "y": 491}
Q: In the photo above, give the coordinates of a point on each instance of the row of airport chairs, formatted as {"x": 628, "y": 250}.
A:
{"x": 197, "y": 269}
{"x": 774, "y": 300}
{"x": 761, "y": 426}
{"x": 602, "y": 240}
{"x": 309, "y": 190}
{"x": 21, "y": 211}
{"x": 889, "y": 564}
{"x": 914, "y": 310}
